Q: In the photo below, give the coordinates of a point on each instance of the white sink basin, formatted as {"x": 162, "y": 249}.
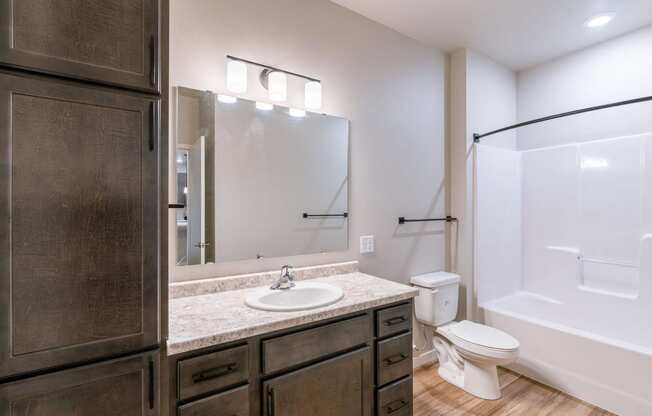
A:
{"x": 305, "y": 295}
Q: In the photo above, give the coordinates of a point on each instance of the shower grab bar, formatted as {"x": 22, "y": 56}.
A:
{"x": 403, "y": 220}
{"x": 306, "y": 215}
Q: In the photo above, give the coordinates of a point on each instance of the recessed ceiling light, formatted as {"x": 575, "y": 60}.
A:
{"x": 599, "y": 20}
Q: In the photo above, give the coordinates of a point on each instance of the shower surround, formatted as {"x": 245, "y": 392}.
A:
{"x": 564, "y": 263}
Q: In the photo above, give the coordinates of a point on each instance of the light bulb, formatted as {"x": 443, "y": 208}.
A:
{"x": 236, "y": 77}
{"x": 277, "y": 85}
{"x": 313, "y": 95}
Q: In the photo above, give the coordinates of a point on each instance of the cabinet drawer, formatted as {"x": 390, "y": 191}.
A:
{"x": 304, "y": 346}
{"x": 230, "y": 403}
{"x": 394, "y": 358}
{"x": 393, "y": 320}
{"x": 395, "y": 399}
{"x": 212, "y": 371}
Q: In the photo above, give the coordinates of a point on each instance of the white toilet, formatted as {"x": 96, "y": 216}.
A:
{"x": 468, "y": 353}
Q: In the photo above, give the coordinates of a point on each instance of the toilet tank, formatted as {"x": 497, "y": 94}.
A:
{"x": 438, "y": 297}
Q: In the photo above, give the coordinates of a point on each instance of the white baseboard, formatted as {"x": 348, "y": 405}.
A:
{"x": 424, "y": 359}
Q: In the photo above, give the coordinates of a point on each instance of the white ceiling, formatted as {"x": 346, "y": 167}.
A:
{"x": 516, "y": 33}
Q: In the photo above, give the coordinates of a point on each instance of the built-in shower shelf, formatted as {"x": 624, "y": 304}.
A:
{"x": 609, "y": 277}
{"x": 629, "y": 296}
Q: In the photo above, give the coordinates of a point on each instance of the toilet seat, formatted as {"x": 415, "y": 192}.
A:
{"x": 484, "y": 336}
{"x": 481, "y": 340}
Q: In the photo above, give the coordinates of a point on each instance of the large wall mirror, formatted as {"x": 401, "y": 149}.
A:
{"x": 255, "y": 181}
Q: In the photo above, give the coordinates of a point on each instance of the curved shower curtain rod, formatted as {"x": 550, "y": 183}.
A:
{"x": 477, "y": 137}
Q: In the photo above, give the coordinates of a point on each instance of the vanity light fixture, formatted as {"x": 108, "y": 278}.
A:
{"x": 264, "y": 106}
{"x": 277, "y": 86}
{"x": 274, "y": 80}
{"x": 313, "y": 95}
{"x": 226, "y": 99}
{"x": 295, "y": 112}
{"x": 599, "y": 20}
{"x": 236, "y": 77}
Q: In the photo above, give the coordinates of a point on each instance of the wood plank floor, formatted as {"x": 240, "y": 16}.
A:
{"x": 521, "y": 397}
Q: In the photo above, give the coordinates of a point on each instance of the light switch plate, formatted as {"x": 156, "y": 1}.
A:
{"x": 367, "y": 244}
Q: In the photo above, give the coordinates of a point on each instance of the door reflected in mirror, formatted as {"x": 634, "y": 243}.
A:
{"x": 256, "y": 182}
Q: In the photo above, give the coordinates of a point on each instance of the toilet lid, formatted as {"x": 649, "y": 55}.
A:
{"x": 485, "y": 336}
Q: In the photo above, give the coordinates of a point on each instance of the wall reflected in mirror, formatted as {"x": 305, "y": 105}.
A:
{"x": 257, "y": 182}
{"x": 181, "y": 214}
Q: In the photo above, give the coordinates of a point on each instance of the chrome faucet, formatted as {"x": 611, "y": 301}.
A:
{"x": 286, "y": 281}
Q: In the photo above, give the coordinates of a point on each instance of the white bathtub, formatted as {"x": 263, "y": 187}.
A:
{"x": 586, "y": 352}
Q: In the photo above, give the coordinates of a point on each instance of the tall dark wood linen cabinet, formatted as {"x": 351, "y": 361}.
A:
{"x": 83, "y": 206}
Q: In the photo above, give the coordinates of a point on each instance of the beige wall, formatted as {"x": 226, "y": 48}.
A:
{"x": 492, "y": 99}
{"x": 389, "y": 86}
{"x": 482, "y": 98}
{"x": 461, "y": 178}
{"x": 617, "y": 70}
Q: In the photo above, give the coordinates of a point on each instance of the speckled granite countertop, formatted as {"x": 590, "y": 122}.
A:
{"x": 206, "y": 320}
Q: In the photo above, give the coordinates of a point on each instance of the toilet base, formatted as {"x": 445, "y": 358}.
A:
{"x": 481, "y": 380}
{"x": 475, "y": 377}
{"x": 451, "y": 365}
{"x": 451, "y": 374}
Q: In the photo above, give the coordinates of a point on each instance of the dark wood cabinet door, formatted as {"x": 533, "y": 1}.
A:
{"x": 340, "y": 386}
{"x": 124, "y": 387}
{"x": 79, "y": 239}
{"x": 109, "y": 41}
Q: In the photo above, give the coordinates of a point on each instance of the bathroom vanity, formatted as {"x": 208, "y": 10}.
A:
{"x": 350, "y": 358}
{"x": 256, "y": 181}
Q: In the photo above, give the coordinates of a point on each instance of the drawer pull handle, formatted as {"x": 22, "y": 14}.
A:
{"x": 395, "y": 406}
{"x": 151, "y": 383}
{"x": 153, "y": 53}
{"x": 271, "y": 405}
{"x": 395, "y": 321}
{"x": 214, "y": 373}
{"x": 153, "y": 133}
{"x": 394, "y": 359}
